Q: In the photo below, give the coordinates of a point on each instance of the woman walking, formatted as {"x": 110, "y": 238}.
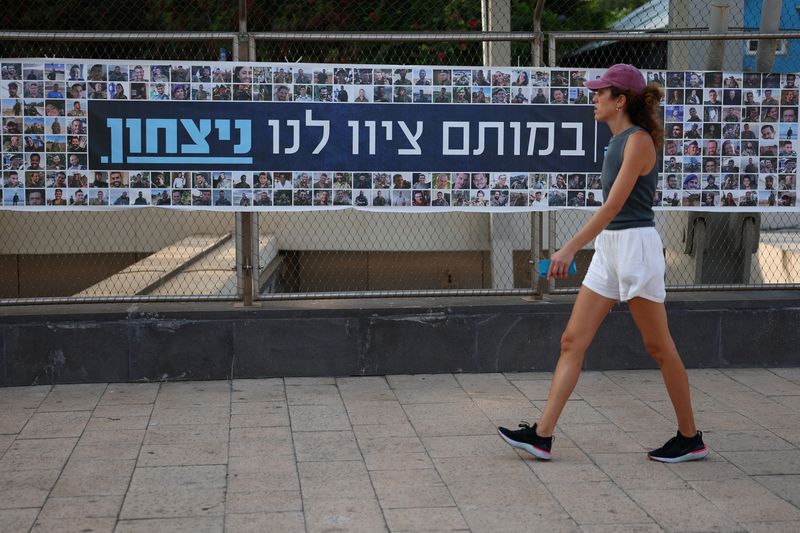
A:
{"x": 628, "y": 265}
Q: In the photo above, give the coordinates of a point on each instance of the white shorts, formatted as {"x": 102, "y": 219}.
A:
{"x": 628, "y": 263}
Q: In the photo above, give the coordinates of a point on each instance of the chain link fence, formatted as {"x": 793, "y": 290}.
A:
{"x": 171, "y": 254}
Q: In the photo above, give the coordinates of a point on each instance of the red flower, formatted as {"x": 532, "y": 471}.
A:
{"x": 472, "y": 23}
{"x": 372, "y": 15}
{"x": 440, "y": 56}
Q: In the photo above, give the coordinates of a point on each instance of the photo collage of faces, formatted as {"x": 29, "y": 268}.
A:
{"x": 730, "y": 140}
{"x": 725, "y": 133}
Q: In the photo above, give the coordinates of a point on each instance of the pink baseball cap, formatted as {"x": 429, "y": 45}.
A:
{"x": 622, "y": 76}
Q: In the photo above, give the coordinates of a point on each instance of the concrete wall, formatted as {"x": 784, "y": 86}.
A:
{"x": 167, "y": 342}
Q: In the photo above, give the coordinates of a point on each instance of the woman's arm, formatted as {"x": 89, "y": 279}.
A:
{"x": 638, "y": 159}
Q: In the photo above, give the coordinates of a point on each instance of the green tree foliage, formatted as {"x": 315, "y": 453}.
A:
{"x": 302, "y": 15}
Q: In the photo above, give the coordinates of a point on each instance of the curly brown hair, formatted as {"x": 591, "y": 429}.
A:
{"x": 645, "y": 111}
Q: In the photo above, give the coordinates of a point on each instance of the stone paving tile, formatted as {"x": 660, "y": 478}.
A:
{"x": 365, "y": 389}
{"x": 401, "y": 453}
{"x": 117, "y": 423}
{"x": 792, "y": 374}
{"x": 636, "y": 416}
{"x": 683, "y": 510}
{"x": 712, "y": 468}
{"x": 422, "y": 395}
{"x": 195, "y": 393}
{"x": 397, "y": 461}
{"x": 94, "y": 478}
{"x": 35, "y": 454}
{"x": 285, "y": 522}
{"x": 120, "y": 410}
{"x": 83, "y": 397}
{"x": 650, "y": 527}
{"x": 577, "y": 412}
{"x": 186, "y": 434}
{"x": 129, "y": 394}
{"x": 206, "y": 477}
{"x": 259, "y": 414}
{"x": 461, "y": 418}
{"x": 422, "y": 381}
{"x": 212, "y": 414}
{"x": 334, "y": 480}
{"x": 773, "y": 527}
{"x": 410, "y": 488}
{"x": 258, "y": 390}
{"x": 5, "y": 443}
{"x": 763, "y": 381}
{"x": 82, "y": 507}
{"x": 792, "y": 402}
{"x": 105, "y": 451}
{"x": 175, "y": 491}
{"x": 403, "y": 429}
{"x": 95, "y": 525}
{"x": 272, "y": 441}
{"x": 309, "y": 381}
{"x": 194, "y": 524}
{"x": 359, "y": 515}
{"x": 23, "y": 397}
{"x": 12, "y": 420}
{"x": 745, "y": 500}
{"x": 313, "y": 395}
{"x": 425, "y": 519}
{"x": 319, "y": 417}
{"x": 493, "y": 386}
{"x": 600, "y": 438}
{"x": 766, "y": 462}
{"x": 262, "y": 473}
{"x": 367, "y": 412}
{"x": 204, "y": 453}
{"x": 646, "y": 385}
{"x": 17, "y": 520}
{"x": 466, "y": 446}
{"x": 263, "y": 501}
{"x": 26, "y": 488}
{"x": 596, "y": 502}
{"x": 571, "y": 465}
{"x": 537, "y": 389}
{"x": 326, "y": 446}
{"x": 786, "y": 487}
{"x": 744, "y": 440}
{"x": 58, "y": 424}
{"x": 714, "y": 381}
{"x": 508, "y": 519}
{"x": 635, "y": 471}
{"x": 791, "y": 435}
{"x": 173, "y": 503}
{"x": 508, "y": 413}
{"x": 392, "y": 453}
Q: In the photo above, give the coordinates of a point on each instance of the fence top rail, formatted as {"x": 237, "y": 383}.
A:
{"x": 676, "y": 36}
{"x": 472, "y": 36}
{"x": 457, "y": 36}
{"x": 117, "y": 36}
{"x": 270, "y": 36}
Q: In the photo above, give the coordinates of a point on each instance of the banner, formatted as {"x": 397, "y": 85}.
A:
{"x": 85, "y": 134}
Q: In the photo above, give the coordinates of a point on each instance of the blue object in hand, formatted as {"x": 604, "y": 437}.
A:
{"x": 544, "y": 266}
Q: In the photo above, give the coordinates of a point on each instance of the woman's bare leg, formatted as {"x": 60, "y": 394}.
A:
{"x": 587, "y": 314}
{"x": 651, "y": 319}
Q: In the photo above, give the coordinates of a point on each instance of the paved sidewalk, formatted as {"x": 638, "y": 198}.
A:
{"x": 401, "y": 453}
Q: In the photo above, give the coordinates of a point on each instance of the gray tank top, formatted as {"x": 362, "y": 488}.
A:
{"x": 637, "y": 212}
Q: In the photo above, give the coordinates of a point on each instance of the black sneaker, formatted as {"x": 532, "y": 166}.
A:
{"x": 527, "y": 439}
{"x": 679, "y": 449}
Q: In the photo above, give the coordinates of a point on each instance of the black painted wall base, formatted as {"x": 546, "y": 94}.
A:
{"x": 151, "y": 342}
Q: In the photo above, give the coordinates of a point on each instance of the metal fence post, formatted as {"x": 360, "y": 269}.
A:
{"x": 246, "y": 260}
